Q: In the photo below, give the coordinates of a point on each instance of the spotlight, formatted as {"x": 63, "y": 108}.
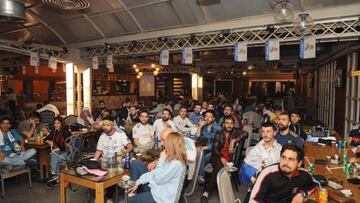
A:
{"x": 270, "y": 29}
{"x": 107, "y": 45}
{"x": 244, "y": 73}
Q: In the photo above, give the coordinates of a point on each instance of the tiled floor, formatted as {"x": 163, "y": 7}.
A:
{"x": 17, "y": 191}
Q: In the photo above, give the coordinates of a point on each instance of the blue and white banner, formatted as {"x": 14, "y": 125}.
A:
{"x": 272, "y": 50}
{"x": 240, "y": 51}
{"x": 34, "y": 59}
{"x": 164, "y": 58}
{"x": 52, "y": 63}
{"x": 95, "y": 62}
{"x": 187, "y": 56}
{"x": 308, "y": 47}
{"x": 109, "y": 63}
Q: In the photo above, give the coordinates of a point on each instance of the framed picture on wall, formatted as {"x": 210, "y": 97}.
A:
{"x": 339, "y": 78}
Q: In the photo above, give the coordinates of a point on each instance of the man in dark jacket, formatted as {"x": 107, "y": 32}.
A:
{"x": 295, "y": 124}
{"x": 222, "y": 152}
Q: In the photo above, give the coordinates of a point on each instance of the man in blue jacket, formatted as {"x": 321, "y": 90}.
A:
{"x": 12, "y": 151}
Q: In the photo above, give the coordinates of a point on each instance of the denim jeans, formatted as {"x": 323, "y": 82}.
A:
{"x": 141, "y": 197}
{"x": 18, "y": 160}
{"x": 205, "y": 160}
{"x": 57, "y": 158}
{"x": 137, "y": 168}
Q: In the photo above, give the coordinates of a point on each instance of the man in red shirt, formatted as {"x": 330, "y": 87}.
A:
{"x": 222, "y": 152}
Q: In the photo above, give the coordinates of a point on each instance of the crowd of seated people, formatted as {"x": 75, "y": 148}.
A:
{"x": 168, "y": 145}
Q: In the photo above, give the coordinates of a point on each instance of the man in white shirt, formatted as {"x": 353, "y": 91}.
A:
{"x": 164, "y": 122}
{"x": 143, "y": 133}
{"x": 111, "y": 140}
{"x": 265, "y": 153}
{"x": 183, "y": 124}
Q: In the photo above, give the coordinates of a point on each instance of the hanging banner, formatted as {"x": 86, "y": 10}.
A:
{"x": 164, "y": 58}
{"x": 187, "y": 56}
{"x": 272, "y": 50}
{"x": 52, "y": 63}
{"x": 34, "y": 59}
{"x": 109, "y": 63}
{"x": 240, "y": 51}
{"x": 95, "y": 62}
{"x": 308, "y": 47}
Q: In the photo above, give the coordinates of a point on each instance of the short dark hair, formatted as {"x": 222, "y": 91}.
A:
{"x": 5, "y": 119}
{"x": 143, "y": 111}
{"x": 294, "y": 112}
{"x": 35, "y": 114}
{"x": 166, "y": 109}
{"x": 277, "y": 108}
{"x": 197, "y": 104}
{"x": 210, "y": 111}
{"x": 183, "y": 107}
{"x": 229, "y": 118}
{"x": 284, "y": 114}
{"x": 228, "y": 105}
{"x": 268, "y": 125}
{"x": 294, "y": 148}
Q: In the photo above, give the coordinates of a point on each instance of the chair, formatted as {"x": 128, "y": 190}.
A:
{"x": 73, "y": 145}
{"x": 247, "y": 128}
{"x": 71, "y": 120}
{"x": 238, "y": 158}
{"x": 226, "y": 192}
{"x": 47, "y": 117}
{"x": 5, "y": 174}
{"x": 179, "y": 190}
{"x": 194, "y": 181}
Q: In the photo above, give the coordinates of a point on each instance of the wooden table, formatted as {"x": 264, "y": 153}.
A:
{"x": 99, "y": 184}
{"x": 314, "y": 151}
{"x": 43, "y": 150}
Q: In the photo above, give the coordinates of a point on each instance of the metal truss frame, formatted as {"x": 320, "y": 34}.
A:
{"x": 334, "y": 29}
{"x": 25, "y": 48}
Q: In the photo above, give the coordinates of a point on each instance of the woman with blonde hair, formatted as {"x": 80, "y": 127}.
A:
{"x": 165, "y": 181}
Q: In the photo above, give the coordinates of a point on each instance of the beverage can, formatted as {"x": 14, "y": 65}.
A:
{"x": 311, "y": 169}
{"x": 348, "y": 169}
{"x": 323, "y": 196}
{"x": 340, "y": 145}
{"x": 345, "y": 159}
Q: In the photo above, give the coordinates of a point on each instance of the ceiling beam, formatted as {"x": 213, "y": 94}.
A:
{"x": 30, "y": 12}
{"x": 94, "y": 25}
{"x": 241, "y": 23}
{"x": 131, "y": 15}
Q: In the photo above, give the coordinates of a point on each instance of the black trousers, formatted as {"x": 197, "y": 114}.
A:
{"x": 217, "y": 166}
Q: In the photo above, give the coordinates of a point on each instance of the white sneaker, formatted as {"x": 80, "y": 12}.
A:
{"x": 109, "y": 201}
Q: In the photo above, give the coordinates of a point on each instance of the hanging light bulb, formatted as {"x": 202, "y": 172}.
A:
{"x": 138, "y": 76}
{"x": 244, "y": 73}
{"x": 134, "y": 66}
{"x": 141, "y": 73}
{"x": 284, "y": 11}
{"x": 153, "y": 65}
{"x": 157, "y": 69}
{"x": 156, "y": 73}
{"x": 137, "y": 70}
{"x": 303, "y": 24}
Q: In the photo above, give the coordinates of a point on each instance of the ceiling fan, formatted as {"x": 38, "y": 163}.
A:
{"x": 13, "y": 11}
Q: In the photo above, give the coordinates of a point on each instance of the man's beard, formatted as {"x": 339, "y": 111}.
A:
{"x": 283, "y": 127}
{"x": 165, "y": 119}
{"x": 229, "y": 131}
{"x": 285, "y": 172}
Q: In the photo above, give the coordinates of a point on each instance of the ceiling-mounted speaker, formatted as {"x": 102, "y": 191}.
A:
{"x": 12, "y": 11}
{"x": 68, "y": 4}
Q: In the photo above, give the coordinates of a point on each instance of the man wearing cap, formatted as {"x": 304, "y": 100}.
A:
{"x": 111, "y": 140}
